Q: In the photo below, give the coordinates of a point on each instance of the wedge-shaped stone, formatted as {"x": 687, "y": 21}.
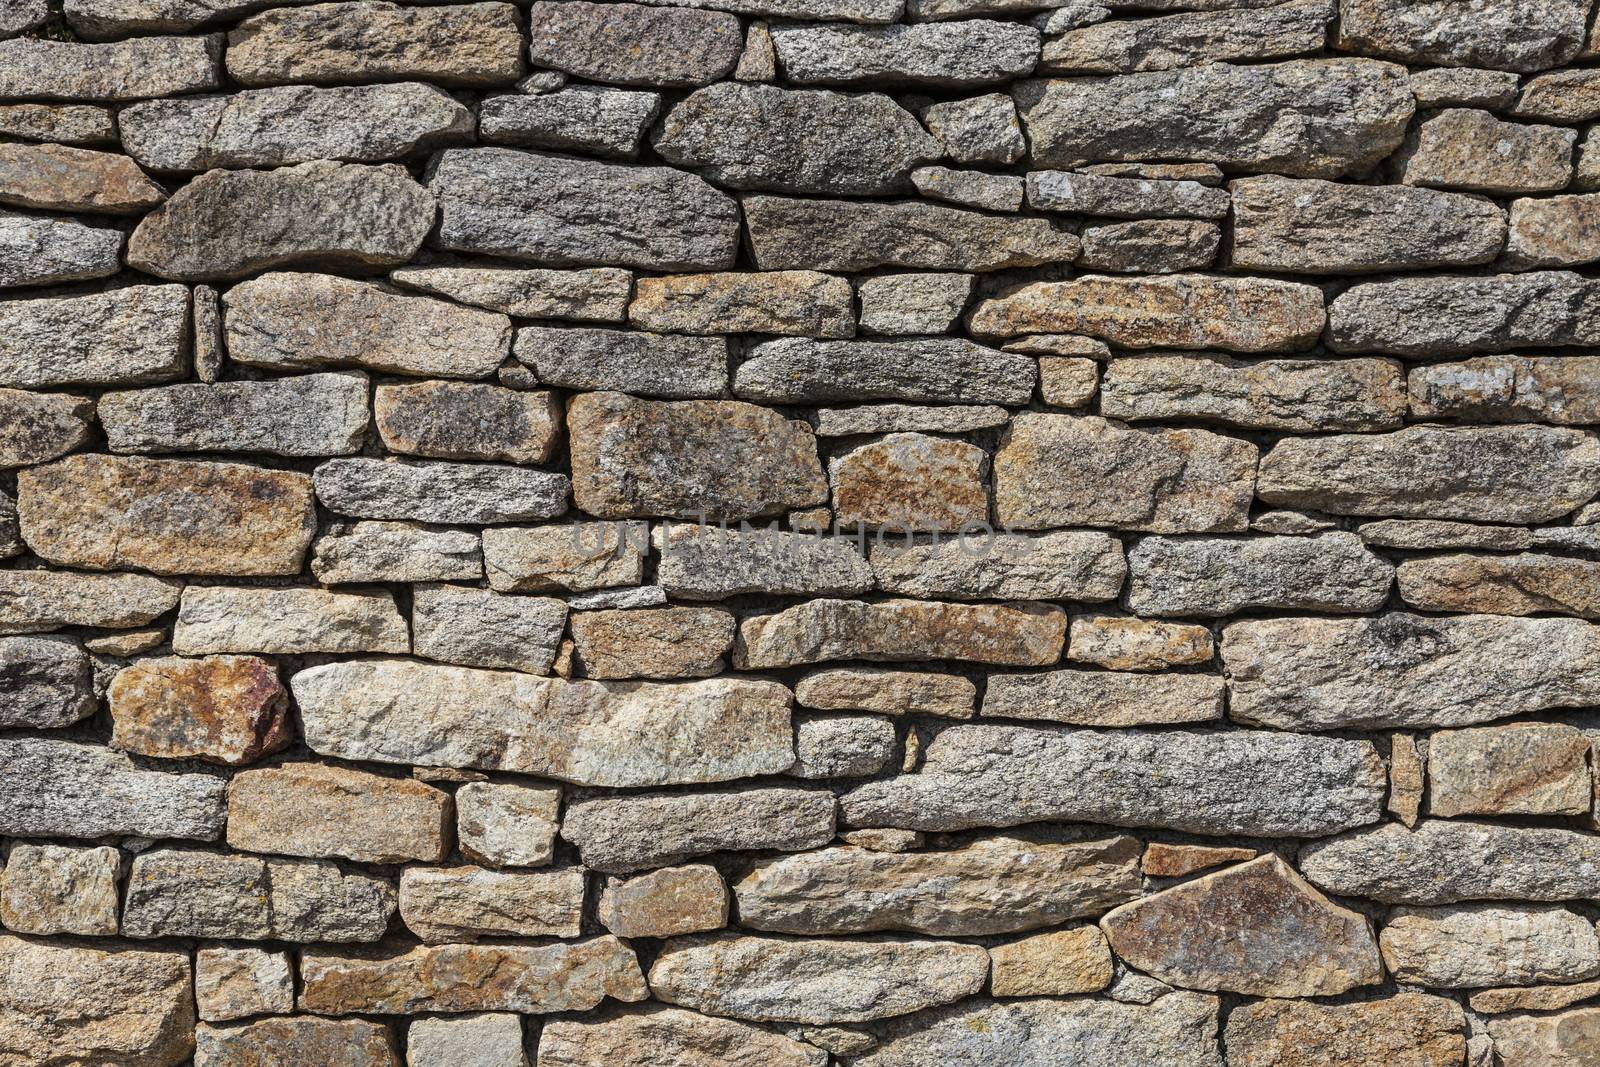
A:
{"x": 586, "y": 119}
{"x": 303, "y": 1039}
{"x": 1257, "y": 929}
{"x": 1178, "y": 1030}
{"x": 315, "y": 415}
{"x": 131, "y": 336}
{"x": 1446, "y": 861}
{"x": 947, "y": 55}
{"x": 51, "y": 889}
{"x": 462, "y": 420}
{"x": 801, "y": 303}
{"x": 226, "y": 224}
{"x": 45, "y": 682}
{"x": 1528, "y": 584}
{"x": 838, "y": 235}
{"x": 1532, "y": 998}
{"x": 1310, "y": 226}
{"x": 469, "y": 493}
{"x": 749, "y": 136}
{"x": 572, "y": 212}
{"x": 689, "y": 459}
{"x": 166, "y": 516}
{"x": 1405, "y": 1030}
{"x": 42, "y": 426}
{"x": 598, "y": 294}
{"x": 396, "y": 552}
{"x": 36, "y": 250}
{"x": 33, "y": 69}
{"x": 285, "y": 321}
{"x": 1564, "y": 390}
{"x": 1236, "y": 782}
{"x": 820, "y": 982}
{"x": 222, "y": 709}
{"x": 188, "y": 893}
{"x": 479, "y": 628}
{"x": 527, "y": 979}
{"x": 1474, "y": 151}
{"x": 36, "y": 601}
{"x": 288, "y": 622}
{"x": 621, "y": 834}
{"x": 360, "y": 124}
{"x": 1027, "y": 635}
{"x": 1502, "y": 34}
{"x": 1063, "y": 565}
{"x": 1442, "y": 316}
{"x": 993, "y": 886}
{"x": 714, "y": 562}
{"x": 568, "y": 557}
{"x": 1476, "y": 945}
{"x": 94, "y": 1003}
{"x": 56, "y": 788}
{"x": 444, "y": 904}
{"x": 1216, "y": 576}
{"x": 1399, "y": 670}
{"x": 316, "y": 810}
{"x": 933, "y": 370}
{"x": 456, "y": 45}
{"x": 1191, "y": 39}
{"x": 1315, "y": 118}
{"x": 656, "y": 1035}
{"x": 1105, "y": 698}
{"x": 1511, "y": 474}
{"x": 590, "y": 733}
{"x": 1521, "y": 769}
{"x": 632, "y": 44}
{"x": 1199, "y": 310}
{"x": 1068, "y": 470}
{"x": 629, "y": 361}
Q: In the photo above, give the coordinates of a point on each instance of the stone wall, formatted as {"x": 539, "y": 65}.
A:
{"x": 778, "y": 533}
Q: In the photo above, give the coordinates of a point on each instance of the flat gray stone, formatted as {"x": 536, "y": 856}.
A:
{"x": 628, "y": 361}
{"x": 634, "y": 44}
{"x": 1076, "y": 565}
{"x": 598, "y": 294}
{"x": 586, "y": 119}
{"x": 1124, "y": 198}
{"x": 1215, "y": 576}
{"x": 56, "y": 788}
{"x": 45, "y": 682}
{"x": 396, "y": 552}
{"x": 35, "y": 601}
{"x": 628, "y": 833}
{"x": 35, "y": 250}
{"x": 1191, "y": 39}
{"x": 909, "y": 418}
{"x": 979, "y": 129}
{"x": 947, "y": 55}
{"x": 468, "y": 420}
{"x": 141, "y": 67}
{"x": 77, "y": 124}
{"x": 1445, "y": 316}
{"x": 130, "y": 336}
{"x": 566, "y": 557}
{"x": 936, "y": 370}
{"x": 480, "y": 628}
{"x": 42, "y": 426}
{"x": 1502, "y": 34}
{"x": 869, "y": 11}
{"x": 467, "y": 493}
{"x": 1105, "y": 698}
{"x": 315, "y": 415}
{"x": 1151, "y": 246}
{"x": 714, "y": 563}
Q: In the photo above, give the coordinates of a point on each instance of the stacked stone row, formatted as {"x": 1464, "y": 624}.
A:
{"x": 799, "y": 532}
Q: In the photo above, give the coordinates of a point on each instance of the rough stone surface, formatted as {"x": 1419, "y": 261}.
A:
{"x": 948, "y": 55}
{"x": 50, "y": 889}
{"x": 1405, "y": 1030}
{"x": 1471, "y": 150}
{"x": 396, "y": 551}
{"x": 222, "y": 709}
{"x": 1523, "y": 769}
{"x": 1532, "y": 1041}
{"x": 713, "y": 563}
{"x": 44, "y": 682}
{"x": 317, "y": 810}
{"x": 894, "y": 630}
{"x": 35, "y": 69}
{"x": 470, "y": 421}
{"x": 665, "y": 903}
{"x": 1501, "y": 35}
{"x": 455, "y": 904}
{"x": 632, "y": 44}
{"x": 1223, "y": 576}
{"x": 235, "y": 983}
{"x": 1486, "y": 945}
{"x": 58, "y": 178}
{"x": 1123, "y": 46}
{"x": 589, "y": 120}
{"x": 1123, "y": 643}
{"x": 641, "y": 363}
{"x": 1104, "y": 698}
{"x": 1063, "y": 565}
{"x": 596, "y": 294}
{"x": 336, "y": 1042}
{"x": 504, "y": 825}
{"x": 621, "y": 834}
{"x": 314, "y": 415}
{"x": 888, "y": 692}
{"x": 130, "y": 336}
{"x": 439, "y": 492}
{"x": 652, "y": 642}
{"x": 911, "y": 482}
{"x": 804, "y": 303}
{"x": 35, "y": 601}
{"x": 941, "y": 370}
{"x": 571, "y": 556}
{"x": 480, "y": 628}
{"x": 46, "y": 251}
{"x": 655, "y": 1035}
{"x": 1058, "y": 963}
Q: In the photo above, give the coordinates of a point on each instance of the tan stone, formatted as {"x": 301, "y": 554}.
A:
{"x": 93, "y": 1003}
{"x": 528, "y": 979}
{"x": 569, "y": 557}
{"x": 449, "y": 904}
{"x": 678, "y": 642}
{"x": 1174, "y": 311}
{"x": 799, "y": 303}
{"x": 1055, "y": 964}
{"x": 1471, "y": 150}
{"x": 288, "y": 621}
{"x": 995, "y": 885}
{"x": 468, "y": 420}
{"x": 1123, "y": 643}
{"x": 976, "y": 563}
{"x": 308, "y": 809}
{"x": 1407, "y": 772}
{"x": 1557, "y": 231}
{"x": 1406, "y": 1030}
{"x": 396, "y": 552}
{"x": 717, "y": 459}
{"x": 1532, "y": 998}
{"x": 1563, "y": 1040}
{"x": 820, "y": 630}
{"x": 1474, "y": 945}
{"x": 617, "y": 834}
{"x": 668, "y": 902}
{"x": 52, "y": 889}
{"x": 326, "y": 1042}
{"x": 656, "y": 1036}
{"x": 1067, "y": 381}
{"x": 1069, "y": 470}
{"x": 910, "y": 481}
{"x": 504, "y": 825}
{"x": 1521, "y": 769}
{"x": 236, "y": 982}
{"x": 1257, "y": 929}
{"x": 1564, "y": 390}
{"x": 889, "y": 692}
{"x": 1175, "y": 861}
{"x": 1528, "y": 584}
{"x": 223, "y": 709}
{"x": 1105, "y": 698}
{"x": 166, "y": 516}
{"x": 54, "y": 177}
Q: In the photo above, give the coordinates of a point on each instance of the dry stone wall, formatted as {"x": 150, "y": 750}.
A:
{"x": 799, "y": 533}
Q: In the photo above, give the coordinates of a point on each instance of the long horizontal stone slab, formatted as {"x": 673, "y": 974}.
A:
{"x": 288, "y": 622}
{"x": 51, "y": 788}
{"x": 943, "y": 370}
{"x": 465, "y": 493}
{"x": 1422, "y": 318}
{"x": 35, "y": 601}
{"x": 899, "y": 630}
{"x": 313, "y": 415}
{"x": 1105, "y": 698}
{"x": 1217, "y": 576}
{"x": 131, "y": 336}
{"x": 617, "y": 834}
{"x": 34, "y": 69}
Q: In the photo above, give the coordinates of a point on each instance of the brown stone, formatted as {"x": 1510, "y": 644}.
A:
{"x": 889, "y": 692}
{"x": 236, "y": 982}
{"x": 910, "y": 481}
{"x": 820, "y": 630}
{"x": 1532, "y": 998}
{"x": 1546, "y": 1040}
{"x": 223, "y": 709}
{"x": 1055, "y": 964}
{"x": 528, "y": 979}
{"x": 1176, "y": 861}
{"x": 53, "y": 177}
{"x": 504, "y": 825}
{"x": 1407, "y": 777}
{"x": 1521, "y": 769}
{"x": 450, "y": 904}
{"x": 798, "y": 303}
{"x": 717, "y": 459}
{"x": 677, "y": 642}
{"x": 461, "y": 420}
{"x": 1528, "y": 584}
{"x": 166, "y": 516}
{"x": 41, "y": 426}
{"x": 657, "y": 1036}
{"x": 1257, "y": 929}
{"x": 1476, "y": 152}
{"x": 665, "y": 903}
{"x": 53, "y": 889}
{"x": 1124, "y": 643}
{"x": 1105, "y": 698}
{"x": 1564, "y": 390}
{"x": 325, "y": 1042}
{"x": 1406, "y": 1030}
{"x": 308, "y": 809}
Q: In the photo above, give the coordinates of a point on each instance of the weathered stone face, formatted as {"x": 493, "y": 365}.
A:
{"x": 1559, "y": 390}
{"x": 236, "y": 983}
{"x": 32, "y": 69}
{"x": 57, "y": 178}
{"x": 397, "y": 552}
{"x": 656, "y": 1035}
{"x": 1223, "y": 576}
{"x": 1405, "y": 1030}
{"x": 131, "y": 336}
{"x": 598, "y": 294}
{"x": 1057, "y": 963}
{"x": 767, "y": 979}
{"x": 44, "y": 682}
{"x": 652, "y": 642}
{"x": 800, "y": 302}
{"x": 609, "y": 123}
{"x": 44, "y": 251}
{"x": 821, "y": 630}
{"x": 317, "y": 810}
{"x": 49, "y": 889}
{"x": 911, "y": 482}
{"x": 665, "y": 903}
{"x": 1502, "y": 35}
{"x": 454, "y": 904}
{"x": 575, "y": 556}
{"x": 292, "y": 621}
{"x": 952, "y": 55}
{"x": 166, "y": 516}
{"x": 1487, "y": 945}
{"x": 1273, "y": 32}
{"x": 1442, "y": 316}
{"x": 37, "y": 601}
{"x": 1065, "y": 470}
{"x": 942, "y": 370}
{"x": 1122, "y": 643}
{"x": 621, "y": 834}
{"x": 336, "y": 1042}
{"x": 223, "y": 709}
{"x": 468, "y": 421}
{"x": 1527, "y": 1041}
{"x": 887, "y": 691}
{"x": 713, "y": 563}
{"x": 502, "y": 825}
{"x": 439, "y": 492}
{"x": 1476, "y": 152}
{"x": 1104, "y": 698}
{"x": 1224, "y": 783}
{"x": 1320, "y": 118}
{"x": 314, "y": 415}
{"x": 1522, "y": 769}
{"x": 643, "y": 364}
{"x": 635, "y": 45}
{"x": 1257, "y": 929}
{"x": 1062, "y": 565}
{"x": 705, "y": 459}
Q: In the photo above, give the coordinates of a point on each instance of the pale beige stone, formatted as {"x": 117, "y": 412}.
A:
{"x": 889, "y": 692}
{"x": 453, "y": 904}
{"x": 1407, "y": 773}
{"x": 315, "y": 810}
{"x": 821, "y": 630}
{"x": 288, "y": 621}
{"x": 571, "y": 557}
{"x": 331, "y": 1042}
{"x": 668, "y": 902}
{"x": 1475, "y": 945}
{"x": 1405, "y": 1030}
{"x": 1521, "y": 769}
{"x": 677, "y": 642}
{"x": 1124, "y": 643}
{"x": 1545, "y": 1040}
{"x": 655, "y": 1036}
{"x": 236, "y": 982}
{"x": 53, "y": 889}
{"x": 799, "y": 303}
{"x": 1105, "y": 698}
{"x": 503, "y": 825}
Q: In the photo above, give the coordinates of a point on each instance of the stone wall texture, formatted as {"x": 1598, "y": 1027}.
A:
{"x": 799, "y": 533}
